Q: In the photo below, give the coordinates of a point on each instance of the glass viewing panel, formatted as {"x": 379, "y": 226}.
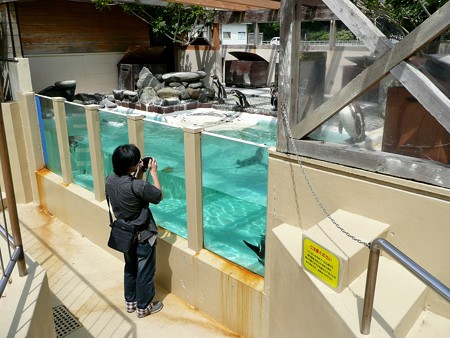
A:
{"x": 234, "y": 199}
{"x": 49, "y": 136}
{"x": 166, "y": 144}
{"x": 79, "y": 145}
{"x": 387, "y": 117}
{"x": 113, "y": 132}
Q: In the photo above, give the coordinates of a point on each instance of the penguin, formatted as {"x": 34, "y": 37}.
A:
{"x": 219, "y": 89}
{"x": 351, "y": 119}
{"x": 256, "y": 159}
{"x": 274, "y": 96}
{"x": 240, "y": 98}
{"x": 259, "y": 249}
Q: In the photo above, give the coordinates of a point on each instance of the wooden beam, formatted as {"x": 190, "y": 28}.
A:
{"x": 288, "y": 72}
{"x": 321, "y": 13}
{"x": 413, "y": 42}
{"x": 214, "y": 4}
{"x": 266, "y": 4}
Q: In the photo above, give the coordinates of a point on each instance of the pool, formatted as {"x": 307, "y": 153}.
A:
{"x": 234, "y": 171}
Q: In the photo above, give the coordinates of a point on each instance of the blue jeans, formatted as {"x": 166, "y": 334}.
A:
{"x": 139, "y": 274}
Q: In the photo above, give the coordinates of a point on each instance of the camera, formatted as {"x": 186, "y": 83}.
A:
{"x": 145, "y": 161}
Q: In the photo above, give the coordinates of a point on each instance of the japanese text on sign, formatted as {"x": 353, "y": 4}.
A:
{"x": 321, "y": 262}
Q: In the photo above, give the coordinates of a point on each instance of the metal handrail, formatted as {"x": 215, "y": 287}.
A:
{"x": 404, "y": 260}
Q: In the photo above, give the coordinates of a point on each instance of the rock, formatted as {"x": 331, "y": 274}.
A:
{"x": 148, "y": 80}
{"x": 108, "y": 104}
{"x": 209, "y": 93}
{"x": 183, "y": 76}
{"x": 193, "y": 93}
{"x": 118, "y": 94}
{"x": 196, "y": 85}
{"x": 203, "y": 97}
{"x": 149, "y": 96}
{"x": 168, "y": 92}
{"x": 64, "y": 89}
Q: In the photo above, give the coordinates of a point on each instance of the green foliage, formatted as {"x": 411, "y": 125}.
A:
{"x": 341, "y": 35}
{"x": 396, "y": 18}
{"x": 179, "y": 23}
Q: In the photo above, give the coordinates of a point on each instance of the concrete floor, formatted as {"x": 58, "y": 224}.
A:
{"x": 88, "y": 281}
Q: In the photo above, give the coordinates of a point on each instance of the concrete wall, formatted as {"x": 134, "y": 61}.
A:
{"x": 237, "y": 32}
{"x": 98, "y": 72}
{"x": 94, "y": 72}
{"x": 417, "y": 215}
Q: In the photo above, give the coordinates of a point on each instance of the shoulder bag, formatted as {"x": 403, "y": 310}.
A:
{"x": 122, "y": 235}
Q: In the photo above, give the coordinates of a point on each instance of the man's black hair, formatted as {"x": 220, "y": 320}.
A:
{"x": 124, "y": 157}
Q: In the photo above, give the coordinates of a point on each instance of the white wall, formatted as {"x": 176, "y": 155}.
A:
{"x": 94, "y": 73}
{"x": 234, "y": 34}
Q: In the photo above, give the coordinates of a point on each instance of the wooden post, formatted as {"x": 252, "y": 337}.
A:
{"x": 33, "y": 141}
{"x": 194, "y": 202}
{"x": 290, "y": 36}
{"x": 95, "y": 150}
{"x": 136, "y": 131}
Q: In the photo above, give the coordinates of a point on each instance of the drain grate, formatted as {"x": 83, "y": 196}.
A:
{"x": 65, "y": 322}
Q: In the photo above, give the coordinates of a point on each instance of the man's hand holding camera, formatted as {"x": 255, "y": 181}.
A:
{"x": 150, "y": 164}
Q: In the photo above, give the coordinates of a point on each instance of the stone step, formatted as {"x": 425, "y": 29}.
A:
{"x": 334, "y": 257}
{"x": 399, "y": 299}
{"x": 430, "y": 324}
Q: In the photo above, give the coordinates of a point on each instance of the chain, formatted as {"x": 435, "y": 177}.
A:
{"x": 308, "y": 182}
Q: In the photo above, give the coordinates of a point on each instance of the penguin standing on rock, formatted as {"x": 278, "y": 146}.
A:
{"x": 240, "y": 98}
{"x": 274, "y": 96}
{"x": 219, "y": 89}
{"x": 351, "y": 119}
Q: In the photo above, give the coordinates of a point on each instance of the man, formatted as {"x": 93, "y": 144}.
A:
{"x": 130, "y": 195}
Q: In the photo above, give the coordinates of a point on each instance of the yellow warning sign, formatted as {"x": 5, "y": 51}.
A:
{"x": 321, "y": 262}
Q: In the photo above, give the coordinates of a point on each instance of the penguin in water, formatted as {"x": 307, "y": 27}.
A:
{"x": 219, "y": 89}
{"x": 259, "y": 249}
{"x": 240, "y": 98}
{"x": 274, "y": 96}
{"x": 351, "y": 118}
{"x": 256, "y": 159}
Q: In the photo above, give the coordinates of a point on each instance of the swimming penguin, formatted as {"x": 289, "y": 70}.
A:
{"x": 219, "y": 89}
{"x": 274, "y": 96}
{"x": 260, "y": 249}
{"x": 256, "y": 159}
{"x": 351, "y": 119}
{"x": 240, "y": 98}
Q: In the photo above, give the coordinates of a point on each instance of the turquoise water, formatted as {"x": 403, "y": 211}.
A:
{"x": 234, "y": 196}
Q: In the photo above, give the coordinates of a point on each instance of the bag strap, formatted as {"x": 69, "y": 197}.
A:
{"x": 109, "y": 206}
{"x": 109, "y": 209}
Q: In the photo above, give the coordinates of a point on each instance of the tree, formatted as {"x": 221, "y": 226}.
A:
{"x": 179, "y": 23}
{"x": 397, "y": 18}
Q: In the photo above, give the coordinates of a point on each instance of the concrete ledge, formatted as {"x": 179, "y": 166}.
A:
{"x": 228, "y": 293}
{"x": 26, "y": 308}
{"x": 352, "y": 256}
{"x": 399, "y": 298}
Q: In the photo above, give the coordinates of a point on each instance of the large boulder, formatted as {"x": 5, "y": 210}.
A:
{"x": 183, "y": 76}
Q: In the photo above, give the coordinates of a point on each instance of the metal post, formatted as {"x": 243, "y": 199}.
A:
{"x": 10, "y": 197}
{"x": 369, "y": 293}
{"x": 407, "y": 263}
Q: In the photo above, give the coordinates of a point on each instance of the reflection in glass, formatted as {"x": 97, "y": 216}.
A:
{"x": 386, "y": 117}
{"x": 79, "y": 145}
{"x": 113, "y": 132}
{"x": 166, "y": 144}
{"x": 50, "y": 139}
{"x": 234, "y": 200}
